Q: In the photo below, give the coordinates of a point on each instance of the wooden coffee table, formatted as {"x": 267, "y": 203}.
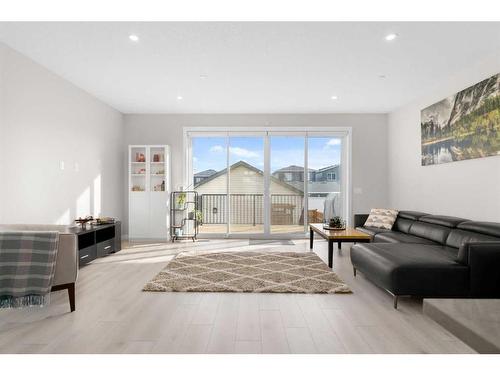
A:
{"x": 339, "y": 236}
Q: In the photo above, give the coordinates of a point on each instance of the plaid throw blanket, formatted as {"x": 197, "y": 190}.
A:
{"x": 27, "y": 267}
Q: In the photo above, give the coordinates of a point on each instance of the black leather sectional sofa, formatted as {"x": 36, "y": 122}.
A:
{"x": 431, "y": 256}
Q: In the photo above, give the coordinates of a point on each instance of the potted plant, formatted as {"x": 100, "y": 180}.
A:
{"x": 199, "y": 216}
{"x": 181, "y": 199}
{"x": 336, "y": 223}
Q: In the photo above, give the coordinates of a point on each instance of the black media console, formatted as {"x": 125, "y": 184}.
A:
{"x": 97, "y": 241}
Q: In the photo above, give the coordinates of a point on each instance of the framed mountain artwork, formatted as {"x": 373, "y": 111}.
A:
{"x": 463, "y": 126}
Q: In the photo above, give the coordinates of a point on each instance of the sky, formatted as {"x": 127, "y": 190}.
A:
{"x": 210, "y": 152}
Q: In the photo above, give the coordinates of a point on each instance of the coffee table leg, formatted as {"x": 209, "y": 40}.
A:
{"x": 330, "y": 253}
{"x": 311, "y": 238}
{"x": 339, "y": 245}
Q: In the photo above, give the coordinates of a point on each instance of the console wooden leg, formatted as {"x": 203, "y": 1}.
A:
{"x": 354, "y": 271}
{"x": 311, "y": 238}
{"x": 71, "y": 293}
{"x": 395, "y": 302}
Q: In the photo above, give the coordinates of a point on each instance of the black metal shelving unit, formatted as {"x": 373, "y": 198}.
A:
{"x": 183, "y": 209}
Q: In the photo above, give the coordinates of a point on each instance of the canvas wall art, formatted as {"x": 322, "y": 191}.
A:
{"x": 463, "y": 126}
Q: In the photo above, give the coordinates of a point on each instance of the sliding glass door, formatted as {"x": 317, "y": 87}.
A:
{"x": 324, "y": 187}
{"x": 287, "y": 183}
{"x": 246, "y": 184}
{"x": 209, "y": 179}
{"x": 267, "y": 183}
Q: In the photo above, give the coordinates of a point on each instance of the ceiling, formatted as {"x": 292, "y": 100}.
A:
{"x": 254, "y": 67}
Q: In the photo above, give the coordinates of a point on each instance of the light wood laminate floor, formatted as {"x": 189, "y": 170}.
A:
{"x": 113, "y": 315}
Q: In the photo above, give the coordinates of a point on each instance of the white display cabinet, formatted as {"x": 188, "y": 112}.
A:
{"x": 148, "y": 191}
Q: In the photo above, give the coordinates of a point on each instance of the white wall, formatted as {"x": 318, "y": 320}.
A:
{"x": 46, "y": 120}
{"x": 369, "y": 156}
{"x": 469, "y": 188}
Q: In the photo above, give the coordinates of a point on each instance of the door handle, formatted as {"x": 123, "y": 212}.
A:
{"x": 107, "y": 247}
{"x": 85, "y": 256}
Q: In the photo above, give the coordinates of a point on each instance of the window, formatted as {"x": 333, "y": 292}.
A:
{"x": 254, "y": 183}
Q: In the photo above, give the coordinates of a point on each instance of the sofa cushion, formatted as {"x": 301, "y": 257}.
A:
{"x": 458, "y": 237}
{"x": 412, "y": 215}
{"x": 402, "y": 224}
{"x": 372, "y": 231}
{"x": 381, "y": 218}
{"x": 412, "y": 269}
{"x": 446, "y": 221}
{"x": 483, "y": 227}
{"x": 398, "y": 237}
{"x": 433, "y": 232}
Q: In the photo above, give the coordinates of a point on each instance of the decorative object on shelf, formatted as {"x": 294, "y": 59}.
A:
{"x": 335, "y": 223}
{"x": 184, "y": 215}
{"x": 104, "y": 220}
{"x": 140, "y": 157}
{"x": 83, "y": 221}
{"x": 157, "y": 158}
{"x": 463, "y": 126}
{"x": 137, "y": 188}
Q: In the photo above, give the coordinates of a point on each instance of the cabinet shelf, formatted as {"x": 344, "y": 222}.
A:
{"x": 148, "y": 207}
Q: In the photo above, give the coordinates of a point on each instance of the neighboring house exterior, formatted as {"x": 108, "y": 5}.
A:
{"x": 330, "y": 173}
{"x": 203, "y": 175}
{"x": 321, "y": 182}
{"x": 292, "y": 173}
{"x": 247, "y": 190}
{"x": 245, "y": 179}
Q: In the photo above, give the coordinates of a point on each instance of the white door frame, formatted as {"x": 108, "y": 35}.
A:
{"x": 345, "y": 133}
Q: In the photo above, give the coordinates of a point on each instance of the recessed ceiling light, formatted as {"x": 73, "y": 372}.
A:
{"x": 334, "y": 97}
{"x": 391, "y": 36}
{"x": 382, "y": 76}
{"x": 179, "y": 97}
{"x": 203, "y": 76}
{"x": 133, "y": 38}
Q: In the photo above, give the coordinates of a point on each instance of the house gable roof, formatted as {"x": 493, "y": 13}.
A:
{"x": 244, "y": 164}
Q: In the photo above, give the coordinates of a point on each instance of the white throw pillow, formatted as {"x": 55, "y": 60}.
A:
{"x": 381, "y": 218}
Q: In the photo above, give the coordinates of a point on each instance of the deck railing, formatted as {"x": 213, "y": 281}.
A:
{"x": 249, "y": 208}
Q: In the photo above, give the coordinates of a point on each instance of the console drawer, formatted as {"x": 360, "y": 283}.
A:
{"x": 105, "y": 247}
{"x": 87, "y": 255}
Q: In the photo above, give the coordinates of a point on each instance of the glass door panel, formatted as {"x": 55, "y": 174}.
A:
{"x": 246, "y": 184}
{"x": 209, "y": 160}
{"x": 325, "y": 198}
{"x": 286, "y": 184}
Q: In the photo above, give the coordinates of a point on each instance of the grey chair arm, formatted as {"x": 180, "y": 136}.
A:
{"x": 67, "y": 260}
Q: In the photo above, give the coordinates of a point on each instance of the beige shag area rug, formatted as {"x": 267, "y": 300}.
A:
{"x": 250, "y": 271}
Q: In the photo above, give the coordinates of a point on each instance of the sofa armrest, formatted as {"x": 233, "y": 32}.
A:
{"x": 483, "y": 259}
{"x": 360, "y": 219}
{"x": 67, "y": 260}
